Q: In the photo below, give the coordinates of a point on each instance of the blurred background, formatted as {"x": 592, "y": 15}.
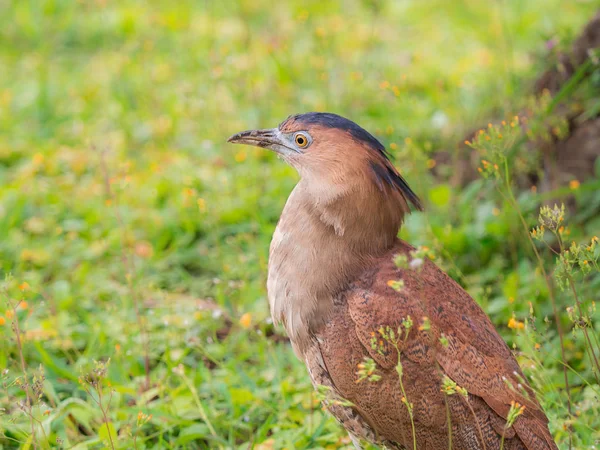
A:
{"x": 133, "y": 309}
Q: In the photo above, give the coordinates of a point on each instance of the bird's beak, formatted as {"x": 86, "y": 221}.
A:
{"x": 270, "y": 138}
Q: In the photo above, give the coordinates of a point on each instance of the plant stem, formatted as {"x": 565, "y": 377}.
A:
{"x": 407, "y": 404}
{"x": 476, "y": 422}
{"x": 589, "y": 347}
{"x": 201, "y": 409}
{"x": 29, "y": 399}
{"x": 515, "y": 205}
{"x": 585, "y": 332}
{"x": 448, "y": 418}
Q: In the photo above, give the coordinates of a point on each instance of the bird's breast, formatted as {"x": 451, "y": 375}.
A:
{"x": 308, "y": 265}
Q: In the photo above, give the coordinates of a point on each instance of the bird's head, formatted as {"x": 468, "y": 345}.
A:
{"x": 333, "y": 155}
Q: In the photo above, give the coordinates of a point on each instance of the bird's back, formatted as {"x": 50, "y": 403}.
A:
{"x": 451, "y": 345}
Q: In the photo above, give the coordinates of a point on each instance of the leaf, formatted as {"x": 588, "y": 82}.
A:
{"x": 79, "y": 411}
{"x": 241, "y": 396}
{"x": 440, "y": 195}
{"x": 27, "y": 445}
{"x": 108, "y": 434}
{"x": 511, "y": 286}
{"x": 193, "y": 433}
{"x": 54, "y": 364}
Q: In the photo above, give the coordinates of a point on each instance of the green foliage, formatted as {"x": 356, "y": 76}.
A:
{"x": 573, "y": 295}
{"x": 449, "y": 387}
{"x": 366, "y": 370}
{"x": 132, "y": 233}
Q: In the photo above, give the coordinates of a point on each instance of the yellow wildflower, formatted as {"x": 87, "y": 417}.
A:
{"x": 515, "y": 324}
{"x": 246, "y": 320}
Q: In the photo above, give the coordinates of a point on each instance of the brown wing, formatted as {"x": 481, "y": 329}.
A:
{"x": 475, "y": 357}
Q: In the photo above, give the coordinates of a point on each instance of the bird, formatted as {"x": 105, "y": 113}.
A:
{"x": 401, "y": 354}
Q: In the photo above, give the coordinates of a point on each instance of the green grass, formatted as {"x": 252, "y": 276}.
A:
{"x": 124, "y": 214}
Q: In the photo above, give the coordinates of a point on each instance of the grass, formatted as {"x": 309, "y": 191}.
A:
{"x": 135, "y": 239}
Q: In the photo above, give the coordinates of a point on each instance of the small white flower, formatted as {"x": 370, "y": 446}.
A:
{"x": 439, "y": 120}
{"x": 416, "y": 263}
{"x": 178, "y": 370}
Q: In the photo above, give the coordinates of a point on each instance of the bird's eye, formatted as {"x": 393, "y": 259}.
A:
{"x": 301, "y": 140}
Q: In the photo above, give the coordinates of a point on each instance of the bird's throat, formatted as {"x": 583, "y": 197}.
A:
{"x": 317, "y": 250}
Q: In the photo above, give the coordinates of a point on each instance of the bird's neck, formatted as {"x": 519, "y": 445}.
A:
{"x": 321, "y": 244}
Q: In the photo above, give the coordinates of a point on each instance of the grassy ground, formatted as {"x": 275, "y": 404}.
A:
{"x": 125, "y": 217}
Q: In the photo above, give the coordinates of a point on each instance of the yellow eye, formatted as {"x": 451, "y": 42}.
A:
{"x": 301, "y": 140}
